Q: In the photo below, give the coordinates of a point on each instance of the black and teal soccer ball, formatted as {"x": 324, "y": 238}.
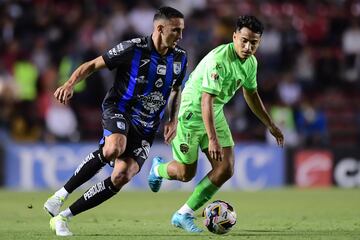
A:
{"x": 219, "y": 217}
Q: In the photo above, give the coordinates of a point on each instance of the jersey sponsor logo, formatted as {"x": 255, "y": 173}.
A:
{"x": 136, "y": 40}
{"x": 159, "y": 83}
{"x": 120, "y": 125}
{"x": 142, "y": 45}
{"x": 144, "y": 62}
{"x": 116, "y": 50}
{"x": 143, "y": 123}
{"x": 177, "y": 67}
{"x": 141, "y": 80}
{"x": 120, "y": 47}
{"x": 184, "y": 148}
{"x": 140, "y": 113}
{"x": 152, "y": 102}
{"x": 94, "y": 190}
{"x": 189, "y": 116}
{"x": 161, "y": 69}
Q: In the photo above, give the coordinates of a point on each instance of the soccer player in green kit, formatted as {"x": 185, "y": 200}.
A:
{"x": 201, "y": 120}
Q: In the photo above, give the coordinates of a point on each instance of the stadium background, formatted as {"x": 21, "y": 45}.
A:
{"x": 308, "y": 77}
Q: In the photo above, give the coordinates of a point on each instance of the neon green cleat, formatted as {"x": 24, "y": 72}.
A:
{"x": 53, "y": 205}
{"x": 59, "y": 224}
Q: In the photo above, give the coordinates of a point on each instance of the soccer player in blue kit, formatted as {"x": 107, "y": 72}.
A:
{"x": 149, "y": 74}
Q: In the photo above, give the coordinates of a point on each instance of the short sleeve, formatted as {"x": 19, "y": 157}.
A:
{"x": 251, "y": 83}
{"x": 213, "y": 77}
{"x": 118, "y": 54}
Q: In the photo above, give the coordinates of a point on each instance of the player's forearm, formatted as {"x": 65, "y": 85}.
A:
{"x": 207, "y": 112}
{"x": 257, "y": 107}
{"x": 174, "y": 104}
{"x": 85, "y": 70}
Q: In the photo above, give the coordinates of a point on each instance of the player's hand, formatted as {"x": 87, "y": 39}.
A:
{"x": 64, "y": 93}
{"x": 170, "y": 131}
{"x": 215, "y": 150}
{"x": 276, "y": 132}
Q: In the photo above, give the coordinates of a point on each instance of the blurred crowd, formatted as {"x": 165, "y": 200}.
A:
{"x": 308, "y": 76}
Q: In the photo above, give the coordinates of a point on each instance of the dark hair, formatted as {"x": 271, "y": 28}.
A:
{"x": 251, "y": 23}
{"x": 167, "y": 13}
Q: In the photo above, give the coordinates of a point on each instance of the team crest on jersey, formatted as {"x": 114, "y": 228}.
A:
{"x": 184, "y": 148}
{"x": 177, "y": 67}
{"x": 159, "y": 83}
{"x": 153, "y": 102}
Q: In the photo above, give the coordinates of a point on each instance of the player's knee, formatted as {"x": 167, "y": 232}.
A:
{"x": 112, "y": 152}
{"x": 227, "y": 173}
{"x": 224, "y": 173}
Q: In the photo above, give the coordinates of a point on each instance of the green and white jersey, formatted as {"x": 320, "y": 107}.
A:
{"x": 221, "y": 73}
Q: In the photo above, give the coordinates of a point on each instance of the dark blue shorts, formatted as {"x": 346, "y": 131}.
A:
{"x": 138, "y": 144}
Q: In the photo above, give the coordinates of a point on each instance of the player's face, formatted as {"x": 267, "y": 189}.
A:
{"x": 172, "y": 32}
{"x": 246, "y": 42}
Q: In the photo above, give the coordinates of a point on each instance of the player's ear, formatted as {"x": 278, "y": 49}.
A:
{"x": 160, "y": 28}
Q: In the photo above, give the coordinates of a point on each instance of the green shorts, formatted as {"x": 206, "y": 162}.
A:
{"x": 191, "y": 135}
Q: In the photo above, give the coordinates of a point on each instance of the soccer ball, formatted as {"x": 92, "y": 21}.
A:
{"x": 219, "y": 217}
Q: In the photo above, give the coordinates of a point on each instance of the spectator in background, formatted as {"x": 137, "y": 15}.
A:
{"x": 319, "y": 43}
{"x": 8, "y": 97}
{"x": 305, "y": 68}
{"x": 289, "y": 90}
{"x": 311, "y": 125}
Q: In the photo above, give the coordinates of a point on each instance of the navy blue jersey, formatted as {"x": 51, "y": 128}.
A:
{"x": 143, "y": 80}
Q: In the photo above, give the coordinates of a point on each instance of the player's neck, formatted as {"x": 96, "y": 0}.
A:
{"x": 158, "y": 46}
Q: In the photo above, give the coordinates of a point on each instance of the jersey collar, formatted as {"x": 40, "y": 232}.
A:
{"x": 151, "y": 46}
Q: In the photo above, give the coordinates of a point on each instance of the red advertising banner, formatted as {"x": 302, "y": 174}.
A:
{"x": 313, "y": 168}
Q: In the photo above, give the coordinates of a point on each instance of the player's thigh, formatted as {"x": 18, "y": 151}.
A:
{"x": 185, "y": 145}
{"x": 115, "y": 141}
{"x": 223, "y": 133}
{"x": 138, "y": 146}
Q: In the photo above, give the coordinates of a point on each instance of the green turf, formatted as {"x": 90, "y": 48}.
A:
{"x": 273, "y": 214}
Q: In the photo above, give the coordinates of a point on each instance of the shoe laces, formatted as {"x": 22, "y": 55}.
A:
{"x": 189, "y": 221}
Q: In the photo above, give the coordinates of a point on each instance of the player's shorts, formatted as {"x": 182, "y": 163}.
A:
{"x": 191, "y": 135}
{"x": 138, "y": 144}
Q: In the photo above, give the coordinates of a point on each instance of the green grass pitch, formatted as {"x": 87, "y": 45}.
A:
{"x": 271, "y": 214}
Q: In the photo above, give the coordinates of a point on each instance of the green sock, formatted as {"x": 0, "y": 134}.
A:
{"x": 202, "y": 193}
{"x": 162, "y": 170}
